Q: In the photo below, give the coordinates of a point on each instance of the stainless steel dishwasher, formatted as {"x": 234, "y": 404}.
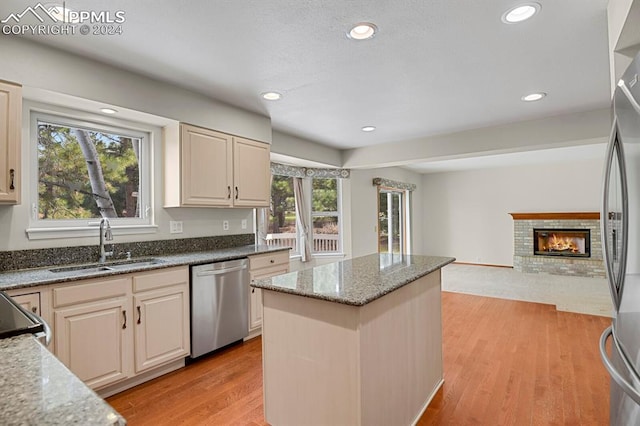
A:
{"x": 219, "y": 305}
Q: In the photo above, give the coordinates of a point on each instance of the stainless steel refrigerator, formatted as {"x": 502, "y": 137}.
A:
{"x": 620, "y": 221}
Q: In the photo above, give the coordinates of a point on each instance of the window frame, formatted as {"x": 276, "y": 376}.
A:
{"x": 308, "y": 185}
{"x": 69, "y": 228}
{"x": 337, "y": 214}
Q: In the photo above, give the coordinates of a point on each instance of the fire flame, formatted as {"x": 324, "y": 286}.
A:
{"x": 561, "y": 244}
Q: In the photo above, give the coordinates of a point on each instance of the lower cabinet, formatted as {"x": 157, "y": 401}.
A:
{"x": 162, "y": 318}
{"x": 29, "y": 301}
{"x": 263, "y": 266}
{"x": 93, "y": 341}
{"x": 108, "y": 330}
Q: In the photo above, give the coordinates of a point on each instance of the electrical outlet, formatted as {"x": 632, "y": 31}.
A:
{"x": 225, "y": 225}
{"x": 175, "y": 226}
{"x": 244, "y": 224}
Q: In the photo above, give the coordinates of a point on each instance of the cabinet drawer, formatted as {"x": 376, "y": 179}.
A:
{"x": 160, "y": 278}
{"x": 268, "y": 260}
{"x": 269, "y": 272}
{"x": 91, "y": 291}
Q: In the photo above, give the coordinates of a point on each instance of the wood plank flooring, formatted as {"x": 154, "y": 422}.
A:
{"x": 505, "y": 363}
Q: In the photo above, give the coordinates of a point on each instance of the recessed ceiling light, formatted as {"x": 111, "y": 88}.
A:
{"x": 520, "y": 13}
{"x": 368, "y": 128}
{"x": 362, "y": 31}
{"x": 271, "y": 96}
{"x": 533, "y": 97}
{"x": 108, "y": 110}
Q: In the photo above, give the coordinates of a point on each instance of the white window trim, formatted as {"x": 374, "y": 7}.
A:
{"x": 294, "y": 255}
{"x": 338, "y": 214}
{"x": 51, "y": 229}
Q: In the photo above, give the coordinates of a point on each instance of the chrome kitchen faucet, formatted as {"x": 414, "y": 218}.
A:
{"x": 105, "y": 235}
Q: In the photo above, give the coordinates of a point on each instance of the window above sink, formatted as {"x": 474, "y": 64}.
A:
{"x": 84, "y": 167}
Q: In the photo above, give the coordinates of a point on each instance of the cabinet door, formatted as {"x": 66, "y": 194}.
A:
{"x": 10, "y": 137}
{"x": 255, "y": 309}
{"x": 93, "y": 341}
{"x": 206, "y": 167}
{"x": 251, "y": 173}
{"x": 162, "y": 326}
{"x": 31, "y": 302}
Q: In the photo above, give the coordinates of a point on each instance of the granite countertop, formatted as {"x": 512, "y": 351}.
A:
{"x": 356, "y": 281}
{"x": 41, "y": 276}
{"x": 37, "y": 389}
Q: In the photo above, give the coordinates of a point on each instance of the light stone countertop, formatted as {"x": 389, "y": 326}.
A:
{"x": 37, "y": 389}
{"x": 356, "y": 281}
{"x": 41, "y": 276}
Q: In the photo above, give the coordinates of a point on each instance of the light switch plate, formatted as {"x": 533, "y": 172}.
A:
{"x": 175, "y": 226}
{"x": 244, "y": 223}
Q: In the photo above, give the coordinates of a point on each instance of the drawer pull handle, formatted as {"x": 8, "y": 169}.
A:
{"x": 272, "y": 261}
{"x": 228, "y": 192}
{"x": 34, "y": 309}
{"x": 139, "y": 315}
{"x": 253, "y": 290}
{"x": 12, "y": 175}
{"x": 236, "y": 192}
{"x": 124, "y": 316}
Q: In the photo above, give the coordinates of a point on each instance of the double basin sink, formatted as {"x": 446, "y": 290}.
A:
{"x": 109, "y": 266}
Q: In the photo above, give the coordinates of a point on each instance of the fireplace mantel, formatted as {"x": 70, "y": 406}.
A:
{"x": 556, "y": 216}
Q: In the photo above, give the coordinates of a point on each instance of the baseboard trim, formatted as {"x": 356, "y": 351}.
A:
{"x": 140, "y": 379}
{"x": 484, "y": 264}
{"x": 426, "y": 404}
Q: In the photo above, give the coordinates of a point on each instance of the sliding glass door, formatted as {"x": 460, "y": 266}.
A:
{"x": 391, "y": 221}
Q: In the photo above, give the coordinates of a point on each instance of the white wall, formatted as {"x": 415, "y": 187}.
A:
{"x": 293, "y": 146}
{"x": 364, "y": 208}
{"x": 466, "y": 213}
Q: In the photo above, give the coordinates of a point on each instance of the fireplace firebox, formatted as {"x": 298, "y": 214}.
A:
{"x": 562, "y": 242}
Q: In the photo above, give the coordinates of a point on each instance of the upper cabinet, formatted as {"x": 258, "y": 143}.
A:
{"x": 10, "y": 137}
{"x": 205, "y": 168}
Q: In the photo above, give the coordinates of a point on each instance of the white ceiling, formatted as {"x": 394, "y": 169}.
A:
{"x": 437, "y": 66}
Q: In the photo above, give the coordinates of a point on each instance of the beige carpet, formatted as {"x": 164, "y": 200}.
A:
{"x": 572, "y": 294}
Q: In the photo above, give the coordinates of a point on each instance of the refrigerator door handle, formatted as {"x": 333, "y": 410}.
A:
{"x": 615, "y": 375}
{"x": 615, "y": 261}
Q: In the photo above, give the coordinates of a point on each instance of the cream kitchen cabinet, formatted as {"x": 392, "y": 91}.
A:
{"x": 263, "y": 266}
{"x": 10, "y": 142}
{"x": 93, "y": 329}
{"x": 161, "y": 303}
{"x": 205, "y": 168}
{"x": 29, "y": 301}
{"x": 111, "y": 329}
{"x": 251, "y": 173}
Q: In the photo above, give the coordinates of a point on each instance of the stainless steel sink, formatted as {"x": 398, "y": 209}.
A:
{"x": 111, "y": 266}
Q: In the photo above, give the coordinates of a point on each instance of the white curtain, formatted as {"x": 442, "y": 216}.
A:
{"x": 262, "y": 225}
{"x": 303, "y": 218}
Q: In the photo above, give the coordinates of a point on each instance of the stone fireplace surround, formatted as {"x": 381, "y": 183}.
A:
{"x": 525, "y": 261}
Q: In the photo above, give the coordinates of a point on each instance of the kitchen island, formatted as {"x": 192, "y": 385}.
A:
{"x": 356, "y": 342}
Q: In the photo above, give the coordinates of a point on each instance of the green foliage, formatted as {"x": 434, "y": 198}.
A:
{"x": 282, "y": 202}
{"x": 325, "y": 195}
{"x": 64, "y": 189}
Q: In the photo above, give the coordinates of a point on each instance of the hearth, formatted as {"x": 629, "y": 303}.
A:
{"x": 562, "y": 242}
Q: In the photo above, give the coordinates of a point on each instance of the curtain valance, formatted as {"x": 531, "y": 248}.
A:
{"x": 388, "y": 183}
{"x": 301, "y": 172}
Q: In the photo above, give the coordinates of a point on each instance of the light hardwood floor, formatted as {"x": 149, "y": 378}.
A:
{"x": 506, "y": 362}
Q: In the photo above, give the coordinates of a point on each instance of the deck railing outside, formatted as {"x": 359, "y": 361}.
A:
{"x": 322, "y": 243}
